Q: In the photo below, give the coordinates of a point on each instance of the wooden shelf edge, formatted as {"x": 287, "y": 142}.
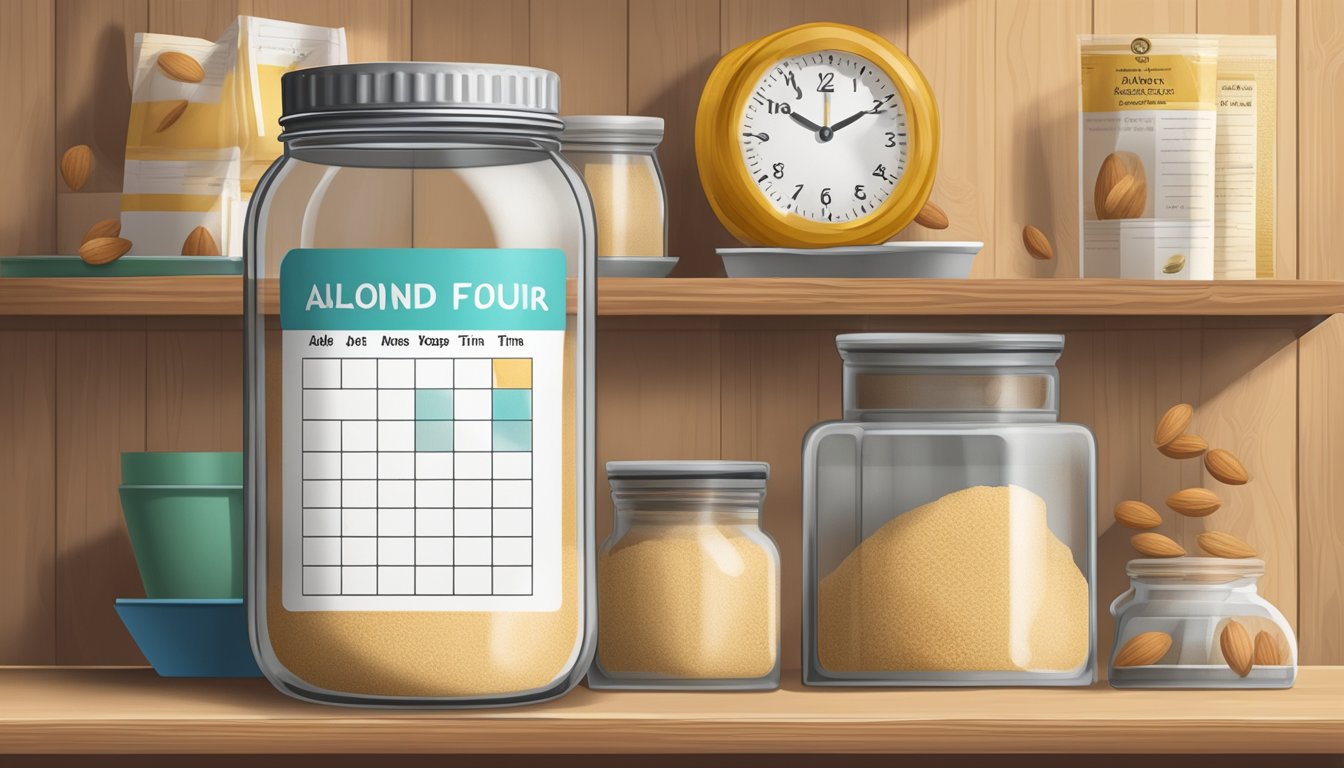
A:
{"x": 747, "y": 297}
{"x": 101, "y": 711}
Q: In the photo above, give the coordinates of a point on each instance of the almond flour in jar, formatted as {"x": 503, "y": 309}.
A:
{"x": 419, "y": 435}
{"x": 617, "y": 157}
{"x": 688, "y": 584}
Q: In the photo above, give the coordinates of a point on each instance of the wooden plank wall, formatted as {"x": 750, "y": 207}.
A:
{"x": 73, "y": 393}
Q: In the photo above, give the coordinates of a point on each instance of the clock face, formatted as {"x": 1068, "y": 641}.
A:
{"x": 824, "y": 136}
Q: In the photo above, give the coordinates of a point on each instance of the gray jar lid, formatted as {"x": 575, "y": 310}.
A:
{"x": 682, "y": 474}
{"x": 950, "y": 342}
{"x": 418, "y": 85}
{"x": 599, "y": 132}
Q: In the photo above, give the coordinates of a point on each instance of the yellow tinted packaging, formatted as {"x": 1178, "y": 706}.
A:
{"x": 195, "y": 147}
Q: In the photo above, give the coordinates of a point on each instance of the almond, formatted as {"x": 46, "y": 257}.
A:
{"x": 1194, "y": 502}
{"x": 1136, "y": 514}
{"x": 199, "y": 242}
{"x": 1115, "y": 167}
{"x": 1038, "y": 245}
{"x": 104, "y": 250}
{"x": 1173, "y": 423}
{"x": 931, "y": 217}
{"x": 1225, "y": 467}
{"x": 1126, "y": 199}
{"x": 1156, "y": 545}
{"x": 104, "y": 228}
{"x": 181, "y": 67}
{"x": 1174, "y": 265}
{"x": 1143, "y": 650}
{"x": 1267, "y": 652}
{"x": 1221, "y": 544}
{"x": 1184, "y": 447}
{"x": 175, "y": 110}
{"x": 75, "y": 166}
{"x": 1237, "y": 649}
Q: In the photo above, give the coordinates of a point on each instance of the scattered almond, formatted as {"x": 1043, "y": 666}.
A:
{"x": 175, "y": 111}
{"x": 1221, "y": 544}
{"x": 199, "y": 242}
{"x": 1237, "y": 649}
{"x": 1115, "y": 167}
{"x": 1194, "y": 502}
{"x": 931, "y": 217}
{"x": 181, "y": 67}
{"x": 1126, "y": 199}
{"x": 1184, "y": 447}
{"x": 1136, "y": 514}
{"x": 1038, "y": 245}
{"x": 1267, "y": 650}
{"x": 104, "y": 228}
{"x": 75, "y": 166}
{"x": 1174, "y": 265}
{"x": 1143, "y": 650}
{"x": 1225, "y": 467}
{"x": 1156, "y": 545}
{"x": 1173, "y": 423}
{"x": 104, "y": 250}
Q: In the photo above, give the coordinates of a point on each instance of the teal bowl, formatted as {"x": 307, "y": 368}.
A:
{"x": 188, "y": 539}
{"x": 182, "y": 468}
{"x": 191, "y": 638}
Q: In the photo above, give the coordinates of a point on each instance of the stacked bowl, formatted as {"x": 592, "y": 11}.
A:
{"x": 184, "y": 513}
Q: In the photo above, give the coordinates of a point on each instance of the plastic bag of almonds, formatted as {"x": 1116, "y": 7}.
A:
{"x": 203, "y": 127}
{"x": 1147, "y": 145}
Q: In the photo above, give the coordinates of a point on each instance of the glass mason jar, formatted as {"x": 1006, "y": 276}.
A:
{"x": 1192, "y": 600}
{"x": 419, "y": 391}
{"x": 617, "y": 157}
{"x": 688, "y": 583}
{"x": 949, "y": 518}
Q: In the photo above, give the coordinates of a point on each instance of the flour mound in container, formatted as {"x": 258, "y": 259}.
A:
{"x": 974, "y": 581}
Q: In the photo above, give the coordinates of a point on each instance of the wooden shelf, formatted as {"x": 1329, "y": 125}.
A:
{"x": 222, "y": 296}
{"x": 112, "y": 711}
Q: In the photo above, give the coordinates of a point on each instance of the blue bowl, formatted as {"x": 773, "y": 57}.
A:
{"x": 191, "y": 638}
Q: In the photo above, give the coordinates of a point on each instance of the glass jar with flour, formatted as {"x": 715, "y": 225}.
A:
{"x": 419, "y": 390}
{"x": 948, "y": 519}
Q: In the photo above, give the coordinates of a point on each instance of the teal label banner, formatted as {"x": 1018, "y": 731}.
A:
{"x": 423, "y": 289}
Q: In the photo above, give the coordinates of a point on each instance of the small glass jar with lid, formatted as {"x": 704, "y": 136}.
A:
{"x": 617, "y": 157}
{"x": 949, "y": 518}
{"x": 1192, "y": 601}
{"x": 688, "y": 583}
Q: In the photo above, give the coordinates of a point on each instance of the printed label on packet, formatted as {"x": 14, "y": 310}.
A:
{"x": 423, "y": 446}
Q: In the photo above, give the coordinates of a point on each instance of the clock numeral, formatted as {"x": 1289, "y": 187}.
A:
{"x": 891, "y": 139}
{"x": 827, "y": 82}
{"x": 777, "y": 107}
{"x": 826, "y": 196}
{"x": 881, "y": 172}
{"x": 797, "y": 191}
{"x": 855, "y": 83}
{"x": 877, "y": 103}
{"x": 792, "y": 81}
{"x": 778, "y": 168}
{"x": 858, "y": 192}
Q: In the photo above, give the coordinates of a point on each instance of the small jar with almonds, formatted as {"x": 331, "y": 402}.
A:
{"x": 1199, "y": 622}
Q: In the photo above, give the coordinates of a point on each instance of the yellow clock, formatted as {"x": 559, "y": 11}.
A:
{"x": 818, "y": 135}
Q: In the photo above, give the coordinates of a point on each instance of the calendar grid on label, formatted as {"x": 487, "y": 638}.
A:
{"x": 417, "y": 477}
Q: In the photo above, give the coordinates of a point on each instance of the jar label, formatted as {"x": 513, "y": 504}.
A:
{"x": 423, "y": 446}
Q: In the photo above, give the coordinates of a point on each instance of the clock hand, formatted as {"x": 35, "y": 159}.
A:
{"x": 803, "y": 121}
{"x": 854, "y": 117}
{"x": 826, "y": 109}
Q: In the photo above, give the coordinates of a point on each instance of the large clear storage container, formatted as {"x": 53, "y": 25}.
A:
{"x": 949, "y": 518}
{"x": 687, "y": 583}
{"x": 1189, "y": 603}
{"x": 419, "y": 390}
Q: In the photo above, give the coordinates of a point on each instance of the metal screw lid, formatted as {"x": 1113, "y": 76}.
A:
{"x": 418, "y": 85}
{"x": 596, "y": 133}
